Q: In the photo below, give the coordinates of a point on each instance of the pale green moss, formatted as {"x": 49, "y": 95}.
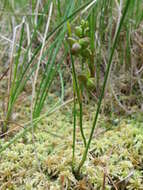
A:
{"x": 118, "y": 151}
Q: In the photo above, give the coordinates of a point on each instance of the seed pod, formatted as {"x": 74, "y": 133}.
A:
{"x": 71, "y": 41}
{"x": 91, "y": 84}
{"x": 76, "y": 48}
{"x": 83, "y": 23}
{"x": 84, "y": 42}
{"x": 86, "y": 31}
{"x": 78, "y": 31}
{"x": 86, "y": 53}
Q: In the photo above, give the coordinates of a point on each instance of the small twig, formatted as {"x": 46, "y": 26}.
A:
{"x": 105, "y": 168}
{"x": 41, "y": 52}
{"x": 37, "y": 10}
{"x": 28, "y": 40}
{"x": 104, "y": 181}
{"x": 4, "y": 74}
{"x": 9, "y": 131}
{"x": 22, "y": 14}
{"x": 112, "y": 182}
{"x": 17, "y": 45}
{"x": 125, "y": 180}
{"x": 89, "y": 6}
{"x": 119, "y": 6}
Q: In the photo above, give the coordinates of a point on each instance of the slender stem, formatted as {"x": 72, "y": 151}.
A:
{"x": 59, "y": 8}
{"x": 78, "y": 97}
{"x": 81, "y": 124}
{"x": 74, "y": 133}
{"x": 81, "y": 108}
{"x": 103, "y": 89}
{"x": 92, "y": 43}
{"x": 75, "y": 79}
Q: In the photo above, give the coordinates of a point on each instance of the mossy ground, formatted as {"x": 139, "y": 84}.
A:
{"x": 43, "y": 161}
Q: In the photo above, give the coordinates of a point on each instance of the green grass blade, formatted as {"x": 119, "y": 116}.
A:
{"x": 104, "y": 86}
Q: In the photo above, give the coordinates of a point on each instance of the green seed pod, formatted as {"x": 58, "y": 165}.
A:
{"x": 86, "y": 31}
{"x": 86, "y": 53}
{"x": 76, "y": 48}
{"x": 84, "y": 42}
{"x": 83, "y": 23}
{"x": 78, "y": 31}
{"x": 71, "y": 41}
{"x": 91, "y": 84}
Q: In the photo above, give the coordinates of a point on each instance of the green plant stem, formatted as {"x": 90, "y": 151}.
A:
{"x": 81, "y": 106}
{"x": 103, "y": 89}
{"x": 92, "y": 43}
{"x": 81, "y": 123}
{"x": 74, "y": 133}
{"x": 59, "y": 8}
{"x": 78, "y": 97}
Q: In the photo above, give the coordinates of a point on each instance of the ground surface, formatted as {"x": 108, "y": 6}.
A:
{"x": 44, "y": 161}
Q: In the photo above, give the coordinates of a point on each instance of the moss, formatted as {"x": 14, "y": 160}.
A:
{"x": 118, "y": 152}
